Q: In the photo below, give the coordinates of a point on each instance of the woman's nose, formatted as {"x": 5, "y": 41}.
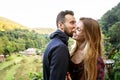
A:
{"x": 75, "y": 30}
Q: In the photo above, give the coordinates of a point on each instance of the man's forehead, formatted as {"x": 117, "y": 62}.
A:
{"x": 70, "y": 17}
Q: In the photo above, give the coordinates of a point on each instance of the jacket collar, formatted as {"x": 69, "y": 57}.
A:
{"x": 61, "y": 35}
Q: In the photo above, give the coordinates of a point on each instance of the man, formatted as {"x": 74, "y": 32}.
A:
{"x": 56, "y": 56}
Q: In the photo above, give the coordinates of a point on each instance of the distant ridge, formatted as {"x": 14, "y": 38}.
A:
{"x": 7, "y": 24}
{"x": 44, "y": 30}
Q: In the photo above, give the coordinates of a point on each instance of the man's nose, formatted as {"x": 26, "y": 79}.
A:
{"x": 74, "y": 30}
{"x": 74, "y": 26}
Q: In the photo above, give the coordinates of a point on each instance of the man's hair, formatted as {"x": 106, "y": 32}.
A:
{"x": 61, "y": 16}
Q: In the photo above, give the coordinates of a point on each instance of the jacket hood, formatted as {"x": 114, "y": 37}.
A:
{"x": 59, "y": 34}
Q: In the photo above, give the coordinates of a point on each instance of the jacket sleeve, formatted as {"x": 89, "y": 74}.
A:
{"x": 59, "y": 63}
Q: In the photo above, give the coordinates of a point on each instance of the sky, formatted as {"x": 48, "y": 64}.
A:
{"x": 42, "y": 13}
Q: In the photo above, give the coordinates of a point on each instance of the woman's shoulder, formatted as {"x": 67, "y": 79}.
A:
{"x": 100, "y": 68}
{"x": 100, "y": 59}
{"x": 100, "y": 62}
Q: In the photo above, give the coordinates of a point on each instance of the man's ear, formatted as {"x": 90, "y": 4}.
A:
{"x": 60, "y": 25}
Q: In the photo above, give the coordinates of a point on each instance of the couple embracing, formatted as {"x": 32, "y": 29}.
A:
{"x": 84, "y": 61}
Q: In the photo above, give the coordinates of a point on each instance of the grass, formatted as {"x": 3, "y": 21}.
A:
{"x": 20, "y": 68}
{"x": 11, "y": 72}
{"x": 6, "y": 64}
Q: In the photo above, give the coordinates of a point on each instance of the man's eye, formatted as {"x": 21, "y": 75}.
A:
{"x": 72, "y": 22}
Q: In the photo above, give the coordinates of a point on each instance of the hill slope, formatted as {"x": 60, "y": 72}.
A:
{"x": 44, "y": 30}
{"x": 6, "y": 24}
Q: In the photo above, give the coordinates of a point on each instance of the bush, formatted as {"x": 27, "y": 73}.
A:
{"x": 36, "y": 61}
{"x": 9, "y": 58}
{"x": 36, "y": 76}
{"x": 117, "y": 76}
{"x": 24, "y": 60}
{"x": 19, "y": 55}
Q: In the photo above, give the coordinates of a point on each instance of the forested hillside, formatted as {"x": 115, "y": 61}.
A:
{"x": 21, "y": 39}
{"x": 15, "y": 37}
{"x": 110, "y": 23}
{"x": 6, "y": 24}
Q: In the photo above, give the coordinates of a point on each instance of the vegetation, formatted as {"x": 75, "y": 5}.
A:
{"x": 15, "y": 37}
{"x": 20, "y": 67}
{"x": 110, "y": 25}
{"x": 21, "y": 39}
{"x": 6, "y": 24}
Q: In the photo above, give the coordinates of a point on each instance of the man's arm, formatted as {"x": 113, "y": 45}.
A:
{"x": 59, "y": 63}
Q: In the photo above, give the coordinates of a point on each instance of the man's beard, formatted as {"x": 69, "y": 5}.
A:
{"x": 67, "y": 32}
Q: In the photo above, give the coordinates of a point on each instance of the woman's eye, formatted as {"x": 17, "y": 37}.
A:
{"x": 78, "y": 29}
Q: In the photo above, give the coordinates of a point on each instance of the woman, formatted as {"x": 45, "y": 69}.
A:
{"x": 86, "y": 57}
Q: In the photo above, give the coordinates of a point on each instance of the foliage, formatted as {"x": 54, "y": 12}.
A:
{"x": 6, "y": 24}
{"x": 36, "y": 76}
{"x": 114, "y": 33}
{"x": 20, "y": 40}
{"x": 9, "y": 58}
{"x": 1, "y": 46}
{"x": 109, "y": 18}
{"x": 70, "y": 43}
{"x": 117, "y": 76}
{"x": 110, "y": 24}
{"x": 20, "y": 67}
{"x": 116, "y": 57}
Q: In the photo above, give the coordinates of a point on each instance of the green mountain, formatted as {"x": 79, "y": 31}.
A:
{"x": 110, "y": 18}
{"x": 110, "y": 24}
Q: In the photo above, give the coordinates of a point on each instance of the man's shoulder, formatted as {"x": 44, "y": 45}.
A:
{"x": 56, "y": 43}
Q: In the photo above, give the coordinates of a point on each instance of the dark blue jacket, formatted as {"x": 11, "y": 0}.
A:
{"x": 56, "y": 57}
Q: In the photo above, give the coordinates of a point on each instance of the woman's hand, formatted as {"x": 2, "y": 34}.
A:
{"x": 68, "y": 76}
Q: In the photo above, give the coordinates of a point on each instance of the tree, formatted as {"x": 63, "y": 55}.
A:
{"x": 1, "y": 46}
{"x": 114, "y": 33}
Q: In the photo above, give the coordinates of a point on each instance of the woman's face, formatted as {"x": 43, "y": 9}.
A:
{"x": 79, "y": 31}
